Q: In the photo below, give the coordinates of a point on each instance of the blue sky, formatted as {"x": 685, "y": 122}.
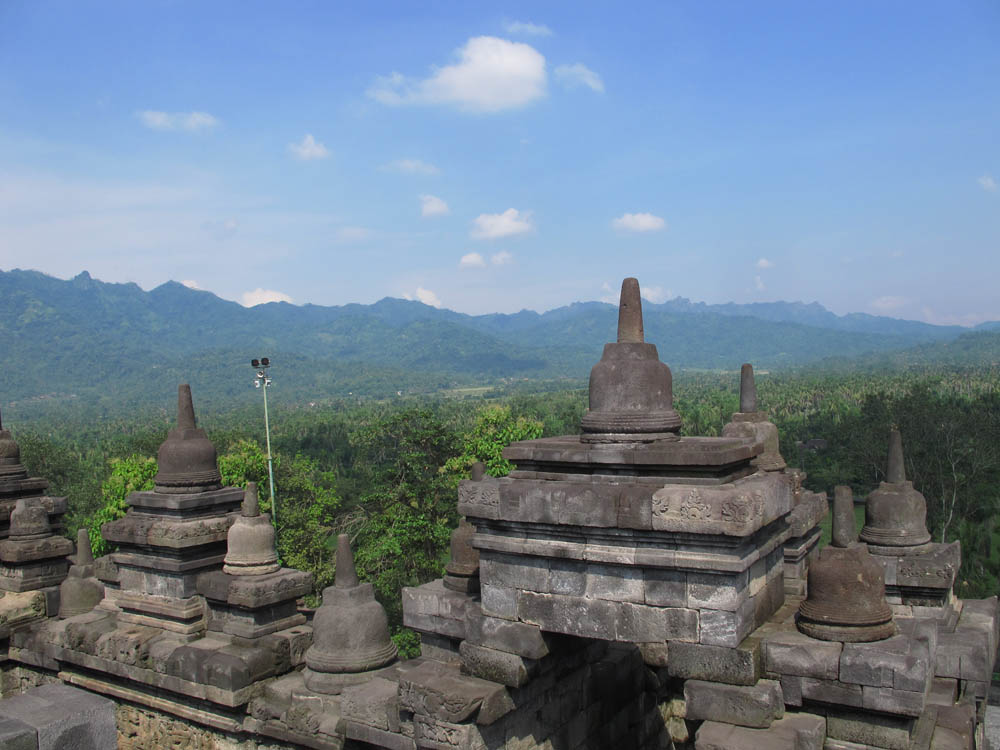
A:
{"x": 520, "y": 155}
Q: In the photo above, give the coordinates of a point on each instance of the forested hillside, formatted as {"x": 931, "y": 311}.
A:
{"x": 111, "y": 346}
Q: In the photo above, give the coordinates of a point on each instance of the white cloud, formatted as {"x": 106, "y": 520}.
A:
{"x": 758, "y": 282}
{"x": 493, "y": 226}
{"x": 501, "y": 259}
{"x": 431, "y": 205}
{"x": 639, "y": 223}
{"x": 764, "y": 263}
{"x": 353, "y": 234}
{"x": 527, "y": 28}
{"x": 896, "y": 254}
{"x": 424, "y": 295}
{"x": 888, "y": 302}
{"x": 987, "y": 183}
{"x": 191, "y": 122}
{"x": 578, "y": 74}
{"x": 655, "y": 294}
{"x": 262, "y": 297}
{"x": 472, "y": 260}
{"x": 491, "y": 75}
{"x": 308, "y": 149}
{"x": 410, "y": 166}
{"x": 191, "y": 284}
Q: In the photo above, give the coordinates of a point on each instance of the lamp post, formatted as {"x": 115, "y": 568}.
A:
{"x": 263, "y": 381}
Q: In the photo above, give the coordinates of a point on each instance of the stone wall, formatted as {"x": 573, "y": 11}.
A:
{"x": 143, "y": 729}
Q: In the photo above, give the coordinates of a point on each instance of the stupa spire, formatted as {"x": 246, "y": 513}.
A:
{"x": 251, "y": 505}
{"x": 346, "y": 575}
{"x": 748, "y": 389}
{"x": 84, "y": 555}
{"x": 630, "y": 329}
{"x": 185, "y": 408}
{"x": 896, "y": 472}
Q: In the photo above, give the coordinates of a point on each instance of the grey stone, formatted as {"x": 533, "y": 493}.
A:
{"x": 845, "y": 529}
{"x": 719, "y": 591}
{"x": 895, "y": 513}
{"x": 499, "y": 601}
{"x": 899, "y": 662}
{"x": 350, "y": 629}
{"x": 518, "y": 638}
{"x": 747, "y": 706}
{"x": 890, "y": 701}
{"x": 721, "y": 628}
{"x": 878, "y": 730}
{"x": 736, "y": 666}
{"x": 830, "y": 691}
{"x": 64, "y": 717}
{"x": 793, "y": 653}
{"x": 666, "y": 588}
{"x": 793, "y": 732}
{"x": 496, "y": 666}
{"x": 16, "y": 735}
{"x": 250, "y": 541}
{"x": 614, "y": 583}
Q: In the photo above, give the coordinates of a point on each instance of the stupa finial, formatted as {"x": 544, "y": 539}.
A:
{"x": 346, "y": 576}
{"x": 251, "y": 505}
{"x": 748, "y": 389}
{"x": 185, "y": 407}
{"x": 84, "y": 554}
{"x": 478, "y": 471}
{"x": 630, "y": 313}
{"x": 896, "y": 472}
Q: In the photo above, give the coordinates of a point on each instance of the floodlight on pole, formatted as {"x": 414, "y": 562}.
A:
{"x": 263, "y": 381}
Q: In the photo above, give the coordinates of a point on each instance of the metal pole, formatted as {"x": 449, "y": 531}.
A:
{"x": 270, "y": 467}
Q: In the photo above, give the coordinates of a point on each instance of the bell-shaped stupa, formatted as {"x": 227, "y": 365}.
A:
{"x": 749, "y": 422}
{"x": 187, "y": 459}
{"x": 846, "y": 600}
{"x": 32, "y": 557}
{"x": 631, "y": 390}
{"x": 462, "y": 570}
{"x": 15, "y": 484}
{"x": 251, "y": 549}
{"x": 896, "y": 513}
{"x": 350, "y": 631}
{"x": 81, "y": 591}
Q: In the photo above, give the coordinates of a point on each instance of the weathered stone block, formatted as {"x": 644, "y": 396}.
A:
{"x": 721, "y": 628}
{"x": 747, "y": 706}
{"x": 899, "y": 661}
{"x": 698, "y": 661}
{"x": 434, "y": 690}
{"x": 878, "y": 730}
{"x": 793, "y": 653}
{"x": 64, "y": 717}
{"x": 588, "y": 618}
{"x": 496, "y": 666}
{"x": 514, "y": 637}
{"x": 737, "y": 509}
{"x": 830, "y": 691}
{"x": 718, "y": 591}
{"x": 666, "y": 588}
{"x": 639, "y": 623}
{"x": 499, "y": 601}
{"x": 529, "y": 573}
{"x": 793, "y": 732}
{"x": 16, "y": 735}
{"x": 889, "y": 701}
{"x": 614, "y": 583}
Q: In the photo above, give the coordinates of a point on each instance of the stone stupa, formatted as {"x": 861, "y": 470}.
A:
{"x": 351, "y": 641}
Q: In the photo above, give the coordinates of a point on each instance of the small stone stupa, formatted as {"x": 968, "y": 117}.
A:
{"x": 846, "y": 600}
{"x": 896, "y": 513}
{"x": 15, "y": 484}
{"x": 32, "y": 557}
{"x": 174, "y": 533}
{"x": 462, "y": 570}
{"x": 631, "y": 390}
{"x": 351, "y": 641}
{"x": 748, "y": 422}
{"x": 253, "y": 596}
{"x": 81, "y": 591}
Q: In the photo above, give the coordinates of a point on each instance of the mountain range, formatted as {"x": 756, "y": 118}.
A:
{"x": 118, "y": 344}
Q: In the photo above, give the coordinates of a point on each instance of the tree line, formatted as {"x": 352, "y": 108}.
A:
{"x": 386, "y": 472}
